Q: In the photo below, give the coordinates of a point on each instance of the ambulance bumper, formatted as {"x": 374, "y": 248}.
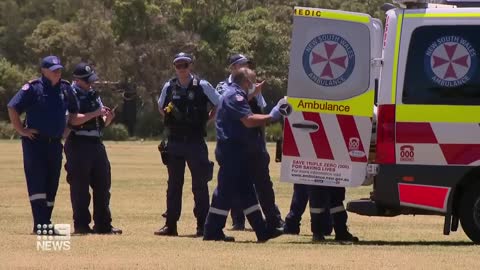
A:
{"x": 367, "y": 207}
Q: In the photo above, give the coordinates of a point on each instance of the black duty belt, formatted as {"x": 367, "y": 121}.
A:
{"x": 46, "y": 139}
{"x": 185, "y": 138}
{"x": 81, "y": 138}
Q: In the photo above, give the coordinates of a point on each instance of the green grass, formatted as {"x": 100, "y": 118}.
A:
{"x": 138, "y": 199}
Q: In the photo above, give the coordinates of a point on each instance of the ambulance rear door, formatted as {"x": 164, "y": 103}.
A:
{"x": 330, "y": 97}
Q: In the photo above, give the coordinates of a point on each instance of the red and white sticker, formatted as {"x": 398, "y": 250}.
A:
{"x": 325, "y": 149}
{"x": 438, "y": 143}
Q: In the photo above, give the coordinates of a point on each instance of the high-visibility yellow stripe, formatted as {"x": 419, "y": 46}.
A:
{"x": 441, "y": 15}
{"x": 329, "y": 14}
{"x": 395, "y": 58}
{"x": 438, "y": 113}
{"x": 359, "y": 106}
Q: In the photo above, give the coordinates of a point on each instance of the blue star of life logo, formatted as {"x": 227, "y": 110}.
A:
{"x": 328, "y": 60}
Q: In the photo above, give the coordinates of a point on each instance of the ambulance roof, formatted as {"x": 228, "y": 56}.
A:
{"x": 438, "y": 3}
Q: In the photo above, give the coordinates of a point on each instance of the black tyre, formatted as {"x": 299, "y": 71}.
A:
{"x": 470, "y": 213}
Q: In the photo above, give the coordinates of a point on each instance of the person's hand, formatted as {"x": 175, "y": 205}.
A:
{"x": 275, "y": 113}
{"x": 258, "y": 88}
{"x": 110, "y": 114}
{"x": 29, "y": 133}
{"x": 100, "y": 112}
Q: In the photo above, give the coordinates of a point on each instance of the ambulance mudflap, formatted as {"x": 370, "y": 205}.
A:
{"x": 330, "y": 96}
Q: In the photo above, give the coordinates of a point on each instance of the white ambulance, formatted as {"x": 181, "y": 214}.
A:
{"x": 423, "y": 71}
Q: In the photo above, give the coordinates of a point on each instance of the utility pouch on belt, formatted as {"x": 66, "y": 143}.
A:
{"x": 163, "y": 149}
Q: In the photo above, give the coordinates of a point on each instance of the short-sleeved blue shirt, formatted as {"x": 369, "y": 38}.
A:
{"x": 208, "y": 90}
{"x": 233, "y": 107}
{"x": 45, "y": 105}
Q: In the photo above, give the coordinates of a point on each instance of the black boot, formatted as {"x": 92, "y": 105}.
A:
{"x": 82, "y": 230}
{"x": 200, "y": 226}
{"x": 271, "y": 233}
{"x": 345, "y": 236}
{"x": 221, "y": 237}
{"x": 317, "y": 237}
{"x": 291, "y": 228}
{"x": 108, "y": 230}
{"x": 167, "y": 230}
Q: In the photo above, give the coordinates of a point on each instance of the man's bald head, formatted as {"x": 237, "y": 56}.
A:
{"x": 244, "y": 77}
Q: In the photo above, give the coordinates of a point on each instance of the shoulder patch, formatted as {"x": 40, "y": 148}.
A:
{"x": 25, "y": 87}
{"x": 34, "y": 81}
{"x": 239, "y": 98}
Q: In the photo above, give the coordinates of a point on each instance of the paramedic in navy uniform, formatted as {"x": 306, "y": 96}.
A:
{"x": 45, "y": 102}
{"x": 236, "y": 139}
{"x": 260, "y": 159}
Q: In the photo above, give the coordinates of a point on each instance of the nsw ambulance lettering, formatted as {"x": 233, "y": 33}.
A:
{"x": 322, "y": 106}
{"x": 357, "y": 106}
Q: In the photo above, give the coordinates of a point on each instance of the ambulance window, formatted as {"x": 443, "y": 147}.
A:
{"x": 442, "y": 66}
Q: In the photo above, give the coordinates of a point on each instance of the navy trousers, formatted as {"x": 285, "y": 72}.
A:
{"x": 42, "y": 162}
{"x": 326, "y": 203}
{"x": 194, "y": 153}
{"x": 258, "y": 166}
{"x": 298, "y": 205}
{"x": 233, "y": 181}
{"x": 88, "y": 166}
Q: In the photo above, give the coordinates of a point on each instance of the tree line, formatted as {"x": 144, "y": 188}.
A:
{"x": 131, "y": 44}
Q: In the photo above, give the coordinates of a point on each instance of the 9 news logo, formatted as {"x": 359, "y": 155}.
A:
{"x": 53, "y": 237}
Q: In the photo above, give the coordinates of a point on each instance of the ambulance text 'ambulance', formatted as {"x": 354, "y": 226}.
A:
{"x": 324, "y": 106}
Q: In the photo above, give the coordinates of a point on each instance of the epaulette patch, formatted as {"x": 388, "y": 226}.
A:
{"x": 34, "y": 81}
{"x": 239, "y": 98}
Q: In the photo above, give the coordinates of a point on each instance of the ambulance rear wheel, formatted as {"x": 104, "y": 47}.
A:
{"x": 470, "y": 213}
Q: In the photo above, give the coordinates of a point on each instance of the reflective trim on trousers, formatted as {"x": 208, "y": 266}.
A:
{"x": 251, "y": 209}
{"x": 337, "y": 209}
{"x": 217, "y": 211}
{"x": 38, "y": 196}
{"x": 317, "y": 210}
{"x": 50, "y": 204}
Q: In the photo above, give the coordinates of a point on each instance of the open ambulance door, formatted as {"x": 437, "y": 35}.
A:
{"x": 330, "y": 97}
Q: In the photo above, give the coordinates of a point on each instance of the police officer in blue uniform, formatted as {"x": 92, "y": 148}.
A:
{"x": 325, "y": 202}
{"x": 236, "y": 140}
{"x": 45, "y": 101}
{"x": 87, "y": 161}
{"x": 187, "y": 102}
{"x": 259, "y": 160}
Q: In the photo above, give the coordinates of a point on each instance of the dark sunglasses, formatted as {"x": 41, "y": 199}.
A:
{"x": 182, "y": 65}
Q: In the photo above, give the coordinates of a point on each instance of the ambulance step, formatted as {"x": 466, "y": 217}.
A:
{"x": 367, "y": 207}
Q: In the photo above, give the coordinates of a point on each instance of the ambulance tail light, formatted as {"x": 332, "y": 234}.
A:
{"x": 385, "y": 134}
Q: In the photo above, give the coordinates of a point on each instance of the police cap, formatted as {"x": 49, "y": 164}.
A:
{"x": 85, "y": 72}
{"x": 183, "y": 57}
{"x": 238, "y": 59}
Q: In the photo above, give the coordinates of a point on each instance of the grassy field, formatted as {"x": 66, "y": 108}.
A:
{"x": 138, "y": 199}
